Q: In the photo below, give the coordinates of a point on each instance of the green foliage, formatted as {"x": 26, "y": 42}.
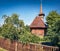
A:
{"x": 55, "y": 40}
{"x": 57, "y": 30}
{"x": 57, "y": 27}
{"x": 27, "y": 28}
{"x": 29, "y": 38}
{"x": 14, "y": 29}
{"x": 10, "y": 27}
{"x": 9, "y": 31}
{"x": 21, "y": 23}
{"x": 52, "y": 16}
{"x": 51, "y": 19}
{"x": 53, "y": 31}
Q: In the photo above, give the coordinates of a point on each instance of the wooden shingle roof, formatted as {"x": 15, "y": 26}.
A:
{"x": 38, "y": 23}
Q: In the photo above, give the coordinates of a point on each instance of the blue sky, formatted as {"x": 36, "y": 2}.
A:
{"x": 27, "y": 9}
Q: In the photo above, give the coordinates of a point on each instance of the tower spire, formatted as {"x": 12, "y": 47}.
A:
{"x": 41, "y": 7}
{"x": 41, "y": 12}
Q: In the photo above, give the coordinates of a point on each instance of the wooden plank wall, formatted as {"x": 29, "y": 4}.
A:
{"x": 10, "y": 46}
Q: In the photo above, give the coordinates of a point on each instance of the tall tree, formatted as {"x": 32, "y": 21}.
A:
{"x": 53, "y": 27}
{"x": 51, "y": 19}
{"x": 57, "y": 31}
{"x": 14, "y": 29}
{"x": 10, "y": 28}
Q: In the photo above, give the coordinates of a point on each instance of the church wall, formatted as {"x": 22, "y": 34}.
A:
{"x": 38, "y": 32}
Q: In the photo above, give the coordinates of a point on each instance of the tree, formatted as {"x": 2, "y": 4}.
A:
{"x": 57, "y": 31}
{"x": 14, "y": 29}
{"x": 51, "y": 19}
{"x": 53, "y": 27}
{"x": 10, "y": 28}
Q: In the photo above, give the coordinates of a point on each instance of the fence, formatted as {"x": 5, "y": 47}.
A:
{"x": 11, "y": 46}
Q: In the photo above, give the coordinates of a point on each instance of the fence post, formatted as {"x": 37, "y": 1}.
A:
{"x": 15, "y": 45}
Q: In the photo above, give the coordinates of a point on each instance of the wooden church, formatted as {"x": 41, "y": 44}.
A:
{"x": 38, "y": 27}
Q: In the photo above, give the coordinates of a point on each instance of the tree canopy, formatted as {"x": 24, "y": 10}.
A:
{"x": 53, "y": 31}
{"x": 15, "y": 29}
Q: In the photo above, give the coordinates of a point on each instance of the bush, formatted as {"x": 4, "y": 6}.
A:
{"x": 29, "y": 38}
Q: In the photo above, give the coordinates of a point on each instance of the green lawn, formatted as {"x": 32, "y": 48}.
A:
{"x": 1, "y": 49}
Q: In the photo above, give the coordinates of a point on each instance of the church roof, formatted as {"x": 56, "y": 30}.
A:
{"x": 38, "y": 23}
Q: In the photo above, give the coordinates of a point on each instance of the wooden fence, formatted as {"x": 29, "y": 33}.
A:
{"x": 11, "y": 46}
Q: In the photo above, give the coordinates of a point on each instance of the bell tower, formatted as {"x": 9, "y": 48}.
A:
{"x": 38, "y": 26}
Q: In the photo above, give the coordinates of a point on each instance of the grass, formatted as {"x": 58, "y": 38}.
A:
{"x": 1, "y": 49}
